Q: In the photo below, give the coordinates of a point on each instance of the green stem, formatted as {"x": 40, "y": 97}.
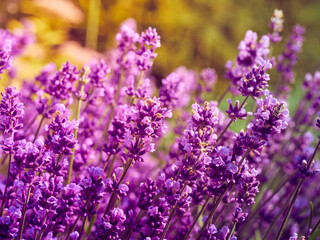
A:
{"x": 6, "y": 188}
{"x": 75, "y": 133}
{"x": 24, "y": 212}
{"x": 286, "y": 218}
{"x": 271, "y": 227}
{"x": 39, "y": 127}
{"x": 197, "y": 218}
{"x": 139, "y": 216}
{"x": 229, "y": 124}
{"x": 136, "y": 86}
{"x": 106, "y": 163}
{"x": 223, "y": 95}
{"x": 44, "y": 222}
{"x": 110, "y": 168}
{"x": 213, "y": 211}
{"x": 112, "y": 198}
{"x": 232, "y": 230}
{"x": 269, "y": 198}
{"x": 82, "y": 227}
{"x": 296, "y": 193}
{"x": 92, "y": 221}
{"x": 73, "y": 228}
{"x": 173, "y": 209}
{"x": 315, "y": 227}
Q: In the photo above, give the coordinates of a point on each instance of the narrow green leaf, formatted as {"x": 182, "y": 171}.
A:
{"x": 314, "y": 235}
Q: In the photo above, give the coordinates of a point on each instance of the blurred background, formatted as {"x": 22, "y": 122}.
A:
{"x": 194, "y": 33}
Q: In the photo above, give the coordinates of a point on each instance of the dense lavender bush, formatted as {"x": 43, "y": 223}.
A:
{"x": 98, "y": 153}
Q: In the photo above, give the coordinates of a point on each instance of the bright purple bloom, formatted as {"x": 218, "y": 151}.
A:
{"x": 235, "y": 112}
{"x": 61, "y": 85}
{"x": 9, "y": 224}
{"x": 148, "y": 190}
{"x": 111, "y": 225}
{"x": 60, "y": 135}
{"x": 11, "y": 111}
{"x": 5, "y": 58}
{"x": 256, "y": 81}
{"x": 251, "y": 49}
{"x": 127, "y": 37}
{"x": 288, "y": 59}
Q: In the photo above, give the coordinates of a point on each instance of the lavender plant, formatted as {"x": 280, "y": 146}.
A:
{"x": 97, "y": 152}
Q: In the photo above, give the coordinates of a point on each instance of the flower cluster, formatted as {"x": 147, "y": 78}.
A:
{"x": 98, "y": 152}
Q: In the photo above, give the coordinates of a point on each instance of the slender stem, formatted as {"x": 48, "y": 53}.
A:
{"x": 39, "y": 127}
{"x": 82, "y": 227}
{"x": 313, "y": 155}
{"x": 212, "y": 212}
{"x": 106, "y": 163}
{"x": 92, "y": 221}
{"x": 223, "y": 95}
{"x": 269, "y": 198}
{"x": 139, "y": 216}
{"x": 222, "y": 133}
{"x": 271, "y": 227}
{"x": 112, "y": 198}
{"x": 110, "y": 168}
{"x": 75, "y": 134}
{"x": 24, "y": 212}
{"x": 136, "y": 87}
{"x": 7, "y": 184}
{"x": 173, "y": 209}
{"x": 229, "y": 123}
{"x": 41, "y": 121}
{"x": 286, "y": 218}
{"x": 216, "y": 218}
{"x": 297, "y": 190}
{"x": 242, "y": 159}
{"x": 232, "y": 230}
{"x": 44, "y": 222}
{"x": 197, "y": 218}
{"x": 315, "y": 227}
{"x": 73, "y": 228}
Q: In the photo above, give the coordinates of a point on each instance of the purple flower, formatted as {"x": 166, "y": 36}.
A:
{"x": 177, "y": 87}
{"x": 150, "y": 38}
{"x": 9, "y": 223}
{"x": 127, "y": 37}
{"x": 74, "y": 235}
{"x": 270, "y": 118}
{"x": 11, "y": 111}
{"x": 250, "y": 49}
{"x": 148, "y": 190}
{"x": 5, "y": 58}
{"x": 61, "y": 85}
{"x": 276, "y": 26}
{"x": 247, "y": 185}
{"x": 111, "y": 225}
{"x": 253, "y": 83}
{"x": 60, "y": 135}
{"x": 235, "y": 112}
{"x": 98, "y": 73}
{"x": 209, "y": 77}
{"x": 149, "y": 41}
{"x": 288, "y": 59}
